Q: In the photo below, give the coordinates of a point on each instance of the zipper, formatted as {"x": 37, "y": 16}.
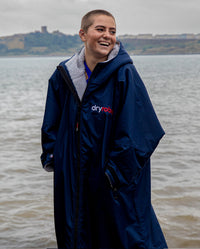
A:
{"x": 78, "y": 180}
{"x": 73, "y": 91}
{"x": 114, "y": 183}
{"x": 77, "y": 129}
{"x": 109, "y": 180}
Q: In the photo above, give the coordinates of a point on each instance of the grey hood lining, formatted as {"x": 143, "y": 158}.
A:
{"x": 76, "y": 68}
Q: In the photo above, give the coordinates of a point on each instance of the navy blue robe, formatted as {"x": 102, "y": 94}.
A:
{"x": 100, "y": 147}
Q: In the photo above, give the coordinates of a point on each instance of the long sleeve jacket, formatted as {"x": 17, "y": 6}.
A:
{"x": 98, "y": 138}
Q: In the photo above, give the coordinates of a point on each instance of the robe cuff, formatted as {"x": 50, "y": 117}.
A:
{"x": 49, "y": 167}
{"x": 48, "y": 162}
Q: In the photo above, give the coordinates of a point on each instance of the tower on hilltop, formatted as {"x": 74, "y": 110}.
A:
{"x": 44, "y": 29}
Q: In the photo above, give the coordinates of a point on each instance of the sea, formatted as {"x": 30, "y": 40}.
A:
{"x": 26, "y": 190}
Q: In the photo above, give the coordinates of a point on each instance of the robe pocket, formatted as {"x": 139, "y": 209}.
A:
{"x": 114, "y": 178}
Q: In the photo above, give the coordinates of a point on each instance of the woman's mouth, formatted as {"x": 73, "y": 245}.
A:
{"x": 105, "y": 44}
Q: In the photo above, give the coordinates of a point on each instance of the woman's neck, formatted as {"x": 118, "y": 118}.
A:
{"x": 91, "y": 61}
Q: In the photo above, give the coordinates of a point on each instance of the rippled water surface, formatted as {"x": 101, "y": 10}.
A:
{"x": 26, "y": 201}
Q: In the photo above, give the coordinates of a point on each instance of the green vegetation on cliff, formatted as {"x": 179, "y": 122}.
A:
{"x": 46, "y": 43}
{"x": 38, "y": 43}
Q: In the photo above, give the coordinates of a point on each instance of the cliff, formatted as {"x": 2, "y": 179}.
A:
{"x": 56, "y": 43}
{"x": 161, "y": 46}
{"x": 38, "y": 43}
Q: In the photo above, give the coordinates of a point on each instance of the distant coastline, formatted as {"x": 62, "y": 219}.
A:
{"x": 43, "y": 43}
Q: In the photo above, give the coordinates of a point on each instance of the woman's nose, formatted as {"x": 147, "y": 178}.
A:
{"x": 106, "y": 34}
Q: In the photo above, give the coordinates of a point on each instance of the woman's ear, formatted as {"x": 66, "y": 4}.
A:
{"x": 82, "y": 34}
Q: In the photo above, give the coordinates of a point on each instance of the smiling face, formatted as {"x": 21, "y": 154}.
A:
{"x": 100, "y": 38}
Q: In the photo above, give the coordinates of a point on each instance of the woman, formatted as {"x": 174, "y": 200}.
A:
{"x": 98, "y": 134}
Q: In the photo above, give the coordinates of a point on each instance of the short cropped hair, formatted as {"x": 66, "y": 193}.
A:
{"x": 87, "y": 21}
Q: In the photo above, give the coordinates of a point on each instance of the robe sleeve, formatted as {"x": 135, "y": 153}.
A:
{"x": 137, "y": 131}
{"x": 50, "y": 124}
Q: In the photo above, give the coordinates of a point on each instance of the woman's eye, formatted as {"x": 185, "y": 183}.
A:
{"x": 113, "y": 32}
{"x": 100, "y": 30}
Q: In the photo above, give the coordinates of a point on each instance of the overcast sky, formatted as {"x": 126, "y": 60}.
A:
{"x": 132, "y": 16}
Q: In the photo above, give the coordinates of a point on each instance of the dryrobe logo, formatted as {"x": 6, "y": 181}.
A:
{"x": 99, "y": 109}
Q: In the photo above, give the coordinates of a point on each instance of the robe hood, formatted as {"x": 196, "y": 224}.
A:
{"x": 76, "y": 69}
{"x": 114, "y": 62}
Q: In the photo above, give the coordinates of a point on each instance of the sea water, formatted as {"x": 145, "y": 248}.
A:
{"x": 26, "y": 190}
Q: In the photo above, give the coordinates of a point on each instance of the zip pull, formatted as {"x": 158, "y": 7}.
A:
{"x": 77, "y": 126}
